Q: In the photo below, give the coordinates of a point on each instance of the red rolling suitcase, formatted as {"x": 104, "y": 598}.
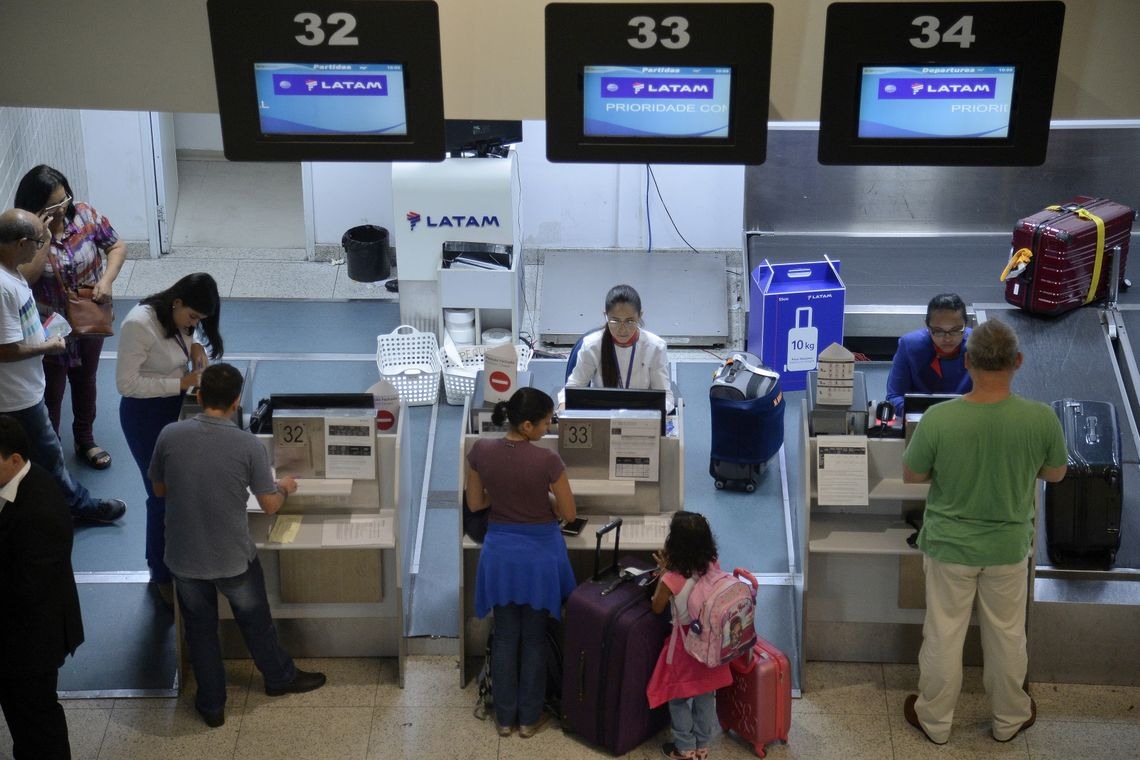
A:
{"x": 1061, "y": 257}
{"x": 610, "y": 649}
{"x": 758, "y": 704}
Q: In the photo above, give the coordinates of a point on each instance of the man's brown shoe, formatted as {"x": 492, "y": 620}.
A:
{"x": 1025, "y": 725}
{"x": 912, "y": 717}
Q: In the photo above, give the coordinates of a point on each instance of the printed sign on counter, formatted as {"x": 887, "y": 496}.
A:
{"x": 635, "y": 448}
{"x": 350, "y": 447}
{"x": 500, "y": 375}
{"x": 841, "y": 470}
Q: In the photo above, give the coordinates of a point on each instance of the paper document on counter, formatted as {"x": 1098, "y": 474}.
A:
{"x": 357, "y": 530}
{"x": 285, "y": 529}
{"x": 651, "y": 530}
{"x": 841, "y": 470}
{"x": 635, "y": 449}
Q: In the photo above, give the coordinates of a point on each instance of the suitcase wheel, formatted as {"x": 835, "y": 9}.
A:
{"x": 719, "y": 485}
{"x": 750, "y": 487}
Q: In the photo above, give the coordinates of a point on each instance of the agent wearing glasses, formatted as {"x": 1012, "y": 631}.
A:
{"x": 931, "y": 360}
{"x": 87, "y": 253}
{"x": 621, "y": 354}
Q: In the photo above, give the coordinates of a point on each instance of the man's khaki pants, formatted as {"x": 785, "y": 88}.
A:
{"x": 1001, "y": 594}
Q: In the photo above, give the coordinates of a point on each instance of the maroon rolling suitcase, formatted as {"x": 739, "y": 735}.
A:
{"x": 758, "y": 704}
{"x": 1061, "y": 257}
{"x": 611, "y": 647}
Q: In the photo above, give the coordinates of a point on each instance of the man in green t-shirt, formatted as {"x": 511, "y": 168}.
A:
{"x": 982, "y": 455}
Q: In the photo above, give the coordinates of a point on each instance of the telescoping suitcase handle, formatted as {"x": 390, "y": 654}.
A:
{"x": 614, "y": 525}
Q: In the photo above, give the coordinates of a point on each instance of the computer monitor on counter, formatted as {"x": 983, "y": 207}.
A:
{"x": 617, "y": 398}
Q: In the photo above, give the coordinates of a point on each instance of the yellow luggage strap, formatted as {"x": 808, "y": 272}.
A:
{"x": 1099, "y": 263}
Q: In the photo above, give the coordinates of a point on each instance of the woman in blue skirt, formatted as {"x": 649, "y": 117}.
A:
{"x": 524, "y": 572}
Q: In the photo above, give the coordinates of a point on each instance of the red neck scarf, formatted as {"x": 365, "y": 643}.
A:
{"x": 626, "y": 344}
{"x": 939, "y": 355}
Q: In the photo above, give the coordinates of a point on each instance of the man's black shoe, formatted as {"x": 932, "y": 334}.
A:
{"x": 301, "y": 683}
{"x": 213, "y": 720}
{"x": 104, "y": 511}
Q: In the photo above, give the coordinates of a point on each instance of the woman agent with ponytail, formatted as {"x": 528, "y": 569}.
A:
{"x": 524, "y": 572}
{"x": 621, "y": 354}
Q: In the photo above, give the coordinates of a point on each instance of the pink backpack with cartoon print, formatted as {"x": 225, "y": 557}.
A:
{"x": 717, "y": 613}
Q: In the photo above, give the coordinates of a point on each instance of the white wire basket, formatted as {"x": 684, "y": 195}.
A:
{"x": 409, "y": 359}
{"x": 459, "y": 379}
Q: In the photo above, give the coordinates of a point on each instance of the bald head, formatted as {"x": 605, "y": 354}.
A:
{"x": 17, "y": 227}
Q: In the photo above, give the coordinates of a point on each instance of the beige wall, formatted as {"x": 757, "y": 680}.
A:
{"x": 155, "y": 55}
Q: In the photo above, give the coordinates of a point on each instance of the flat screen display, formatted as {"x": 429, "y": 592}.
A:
{"x": 936, "y": 102}
{"x": 365, "y": 99}
{"x": 679, "y": 102}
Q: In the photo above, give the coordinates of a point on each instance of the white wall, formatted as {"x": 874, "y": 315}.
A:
{"x": 198, "y": 131}
{"x": 348, "y": 194}
{"x": 604, "y": 205}
{"x": 33, "y": 136}
{"x": 114, "y": 161}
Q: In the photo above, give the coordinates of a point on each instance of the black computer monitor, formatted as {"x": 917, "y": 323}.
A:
{"x": 480, "y": 138}
{"x": 322, "y": 401}
{"x": 917, "y": 403}
{"x": 617, "y": 398}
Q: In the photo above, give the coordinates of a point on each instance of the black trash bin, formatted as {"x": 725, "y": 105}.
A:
{"x": 366, "y": 250}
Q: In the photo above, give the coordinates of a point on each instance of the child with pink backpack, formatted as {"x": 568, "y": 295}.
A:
{"x": 713, "y": 623}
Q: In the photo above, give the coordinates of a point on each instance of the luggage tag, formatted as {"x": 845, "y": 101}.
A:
{"x": 801, "y": 343}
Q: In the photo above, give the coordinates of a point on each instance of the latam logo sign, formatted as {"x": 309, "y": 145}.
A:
{"x": 673, "y": 88}
{"x": 452, "y": 221}
{"x": 948, "y": 88}
{"x": 330, "y": 84}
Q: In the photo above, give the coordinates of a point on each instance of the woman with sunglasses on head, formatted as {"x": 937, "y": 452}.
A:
{"x": 622, "y": 354}
{"x": 159, "y": 360}
{"x": 87, "y": 253}
{"x": 930, "y": 360}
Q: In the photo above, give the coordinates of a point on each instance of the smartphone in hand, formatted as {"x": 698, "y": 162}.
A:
{"x": 574, "y": 527}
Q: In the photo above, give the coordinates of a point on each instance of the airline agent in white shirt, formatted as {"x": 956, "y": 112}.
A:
{"x": 622, "y": 354}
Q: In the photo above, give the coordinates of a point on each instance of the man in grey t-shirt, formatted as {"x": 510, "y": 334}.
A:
{"x": 205, "y": 467}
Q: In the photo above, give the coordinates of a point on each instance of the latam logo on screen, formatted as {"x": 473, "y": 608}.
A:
{"x": 330, "y": 84}
{"x": 976, "y": 88}
{"x": 673, "y": 88}
{"x": 451, "y": 221}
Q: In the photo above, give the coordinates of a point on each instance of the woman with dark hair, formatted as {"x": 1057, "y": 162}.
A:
{"x": 159, "y": 359}
{"x": 524, "y": 572}
{"x": 622, "y": 354}
{"x": 930, "y": 360}
{"x": 79, "y": 234}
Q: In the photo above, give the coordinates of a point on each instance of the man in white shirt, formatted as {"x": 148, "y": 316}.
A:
{"x": 22, "y": 347}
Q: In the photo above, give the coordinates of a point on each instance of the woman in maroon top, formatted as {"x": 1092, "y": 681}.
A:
{"x": 81, "y": 238}
{"x": 524, "y": 572}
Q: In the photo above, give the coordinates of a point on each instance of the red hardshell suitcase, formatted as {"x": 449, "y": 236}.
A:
{"x": 611, "y": 647}
{"x": 758, "y": 704}
{"x": 1061, "y": 257}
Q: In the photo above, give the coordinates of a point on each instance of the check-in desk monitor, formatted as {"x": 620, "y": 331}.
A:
{"x": 617, "y": 398}
{"x": 916, "y": 404}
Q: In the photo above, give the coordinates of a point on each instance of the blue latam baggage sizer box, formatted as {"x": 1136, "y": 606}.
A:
{"x": 796, "y": 312}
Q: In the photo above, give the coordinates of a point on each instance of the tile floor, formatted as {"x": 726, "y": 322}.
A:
{"x": 853, "y": 710}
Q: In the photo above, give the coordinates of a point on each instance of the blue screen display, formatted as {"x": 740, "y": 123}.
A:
{"x": 331, "y": 98}
{"x": 656, "y": 101}
{"x": 939, "y": 102}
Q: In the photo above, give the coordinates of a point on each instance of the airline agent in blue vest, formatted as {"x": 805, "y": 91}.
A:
{"x": 930, "y": 360}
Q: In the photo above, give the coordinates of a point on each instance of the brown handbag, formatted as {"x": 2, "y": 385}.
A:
{"x": 87, "y": 318}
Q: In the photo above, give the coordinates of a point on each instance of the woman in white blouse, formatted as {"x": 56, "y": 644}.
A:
{"x": 159, "y": 359}
{"x": 622, "y": 354}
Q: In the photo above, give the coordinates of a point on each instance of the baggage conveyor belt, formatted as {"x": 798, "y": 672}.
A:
{"x": 1071, "y": 356}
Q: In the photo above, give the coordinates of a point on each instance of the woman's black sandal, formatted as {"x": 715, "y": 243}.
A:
{"x": 94, "y": 456}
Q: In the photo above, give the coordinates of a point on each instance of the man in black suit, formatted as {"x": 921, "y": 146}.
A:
{"x": 40, "y": 622}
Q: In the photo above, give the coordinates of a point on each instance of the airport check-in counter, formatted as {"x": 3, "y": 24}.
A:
{"x": 332, "y": 555}
{"x": 645, "y": 508}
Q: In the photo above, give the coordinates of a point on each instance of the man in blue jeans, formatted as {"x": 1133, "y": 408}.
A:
{"x": 23, "y": 345}
{"x": 204, "y": 466}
